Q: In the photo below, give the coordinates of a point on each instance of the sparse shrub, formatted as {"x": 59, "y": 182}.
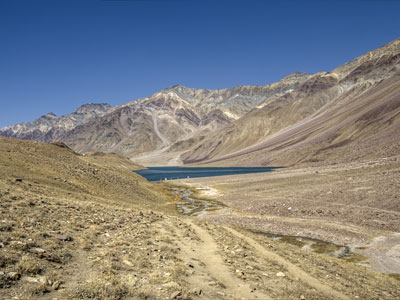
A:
{"x": 29, "y": 265}
{"x": 103, "y": 287}
{"x": 40, "y": 289}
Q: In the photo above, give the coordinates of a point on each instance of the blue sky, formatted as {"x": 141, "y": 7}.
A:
{"x": 58, "y": 54}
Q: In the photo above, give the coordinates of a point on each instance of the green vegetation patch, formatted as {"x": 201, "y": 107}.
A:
{"x": 324, "y": 248}
{"x": 293, "y": 241}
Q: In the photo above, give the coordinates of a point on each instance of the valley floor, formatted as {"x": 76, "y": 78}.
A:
{"x": 65, "y": 233}
{"x": 355, "y": 205}
{"x": 66, "y": 250}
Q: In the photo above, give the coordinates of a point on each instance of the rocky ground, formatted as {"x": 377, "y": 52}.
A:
{"x": 66, "y": 233}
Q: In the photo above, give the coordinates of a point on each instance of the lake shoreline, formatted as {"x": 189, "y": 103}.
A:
{"x": 175, "y": 173}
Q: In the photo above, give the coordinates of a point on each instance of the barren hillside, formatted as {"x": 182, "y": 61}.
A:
{"x": 338, "y": 115}
{"x": 86, "y": 227}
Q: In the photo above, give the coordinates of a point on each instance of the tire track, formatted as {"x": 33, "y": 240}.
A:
{"x": 292, "y": 269}
{"x": 206, "y": 251}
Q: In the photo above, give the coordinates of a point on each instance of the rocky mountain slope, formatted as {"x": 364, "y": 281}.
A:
{"x": 301, "y": 118}
{"x": 50, "y": 128}
{"x": 175, "y": 118}
{"x": 356, "y": 104}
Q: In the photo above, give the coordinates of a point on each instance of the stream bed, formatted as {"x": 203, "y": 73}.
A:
{"x": 192, "y": 206}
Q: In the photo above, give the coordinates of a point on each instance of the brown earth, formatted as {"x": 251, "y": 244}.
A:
{"x": 355, "y": 205}
{"x": 86, "y": 227}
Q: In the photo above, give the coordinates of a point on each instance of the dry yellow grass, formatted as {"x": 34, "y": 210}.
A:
{"x": 86, "y": 227}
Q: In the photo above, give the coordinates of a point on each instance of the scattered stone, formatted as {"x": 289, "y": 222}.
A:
{"x": 43, "y": 280}
{"x": 61, "y": 237}
{"x": 176, "y": 294}
{"x": 190, "y": 265}
{"x": 18, "y": 179}
{"x": 56, "y": 285}
{"x": 175, "y": 248}
{"x": 38, "y": 250}
{"x": 302, "y": 297}
{"x": 239, "y": 273}
{"x": 127, "y": 262}
{"x": 13, "y": 275}
{"x": 30, "y": 279}
{"x": 280, "y": 274}
{"x": 197, "y": 291}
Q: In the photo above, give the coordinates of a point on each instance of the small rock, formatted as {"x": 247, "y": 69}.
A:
{"x": 175, "y": 295}
{"x": 240, "y": 273}
{"x": 280, "y": 274}
{"x": 56, "y": 285}
{"x": 18, "y": 179}
{"x": 30, "y": 279}
{"x": 190, "y": 265}
{"x": 197, "y": 291}
{"x": 127, "y": 262}
{"x": 302, "y": 297}
{"x": 13, "y": 275}
{"x": 43, "y": 280}
{"x": 38, "y": 250}
{"x": 61, "y": 237}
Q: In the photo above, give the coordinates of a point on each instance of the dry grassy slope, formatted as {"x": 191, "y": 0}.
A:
{"x": 74, "y": 227}
{"x": 57, "y": 170}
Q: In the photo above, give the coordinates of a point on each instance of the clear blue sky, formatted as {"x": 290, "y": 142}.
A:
{"x": 56, "y": 55}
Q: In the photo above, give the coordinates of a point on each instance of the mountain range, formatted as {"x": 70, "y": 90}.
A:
{"x": 347, "y": 114}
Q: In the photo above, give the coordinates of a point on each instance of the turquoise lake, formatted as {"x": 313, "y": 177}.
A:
{"x": 171, "y": 173}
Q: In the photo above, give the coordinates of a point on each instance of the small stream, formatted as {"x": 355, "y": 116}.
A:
{"x": 191, "y": 206}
